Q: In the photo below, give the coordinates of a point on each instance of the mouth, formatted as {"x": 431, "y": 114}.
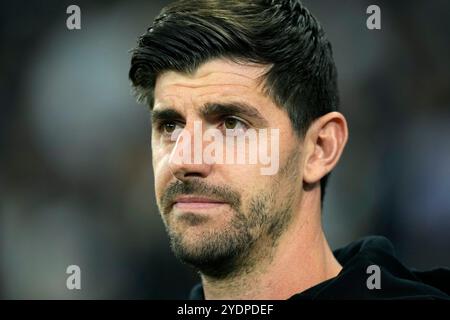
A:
{"x": 196, "y": 203}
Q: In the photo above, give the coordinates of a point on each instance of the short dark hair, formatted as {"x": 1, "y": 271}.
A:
{"x": 282, "y": 34}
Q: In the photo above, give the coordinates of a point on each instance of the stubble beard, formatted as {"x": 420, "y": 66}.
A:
{"x": 249, "y": 236}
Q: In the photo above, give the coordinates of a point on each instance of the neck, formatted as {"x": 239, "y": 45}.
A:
{"x": 301, "y": 259}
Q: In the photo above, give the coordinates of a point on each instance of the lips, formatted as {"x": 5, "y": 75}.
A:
{"x": 193, "y": 202}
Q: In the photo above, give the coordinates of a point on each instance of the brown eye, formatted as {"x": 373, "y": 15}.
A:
{"x": 230, "y": 123}
{"x": 234, "y": 126}
{"x": 169, "y": 127}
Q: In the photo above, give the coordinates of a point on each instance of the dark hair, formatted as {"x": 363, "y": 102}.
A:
{"x": 282, "y": 34}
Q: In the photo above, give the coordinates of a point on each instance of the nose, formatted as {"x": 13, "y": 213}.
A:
{"x": 186, "y": 160}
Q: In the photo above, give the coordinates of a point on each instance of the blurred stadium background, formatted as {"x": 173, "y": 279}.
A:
{"x": 76, "y": 184}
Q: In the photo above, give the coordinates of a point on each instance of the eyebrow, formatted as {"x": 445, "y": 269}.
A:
{"x": 210, "y": 110}
{"x": 165, "y": 115}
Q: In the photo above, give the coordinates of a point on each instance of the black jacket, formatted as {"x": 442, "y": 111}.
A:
{"x": 396, "y": 281}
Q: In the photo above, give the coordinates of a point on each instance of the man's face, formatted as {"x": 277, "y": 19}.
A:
{"x": 222, "y": 216}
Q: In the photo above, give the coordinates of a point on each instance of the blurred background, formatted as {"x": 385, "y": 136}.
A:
{"x": 76, "y": 184}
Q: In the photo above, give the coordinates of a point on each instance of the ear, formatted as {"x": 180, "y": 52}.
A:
{"x": 324, "y": 142}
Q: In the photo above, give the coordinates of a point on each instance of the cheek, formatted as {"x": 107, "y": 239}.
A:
{"x": 161, "y": 169}
{"x": 243, "y": 178}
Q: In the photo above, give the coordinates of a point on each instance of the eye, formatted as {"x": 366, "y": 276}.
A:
{"x": 232, "y": 123}
{"x": 168, "y": 127}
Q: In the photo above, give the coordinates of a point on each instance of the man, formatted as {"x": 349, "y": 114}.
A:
{"x": 237, "y": 67}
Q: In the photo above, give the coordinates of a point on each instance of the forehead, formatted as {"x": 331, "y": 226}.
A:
{"x": 218, "y": 78}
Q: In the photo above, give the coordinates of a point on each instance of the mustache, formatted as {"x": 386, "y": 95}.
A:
{"x": 198, "y": 188}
